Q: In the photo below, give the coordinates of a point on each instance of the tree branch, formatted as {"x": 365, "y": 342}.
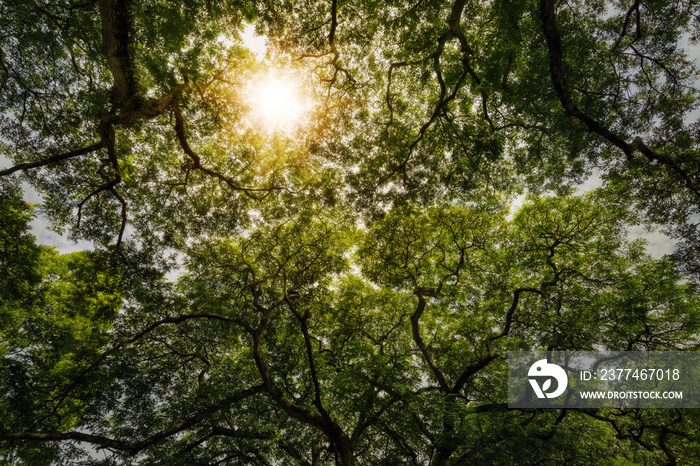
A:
{"x": 136, "y": 337}
{"x": 197, "y": 163}
{"x": 304, "y": 324}
{"x": 415, "y": 326}
{"x": 53, "y": 159}
{"x": 556, "y": 68}
{"x": 132, "y": 447}
{"x": 511, "y": 311}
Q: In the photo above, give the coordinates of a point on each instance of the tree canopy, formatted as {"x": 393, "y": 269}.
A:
{"x": 340, "y": 283}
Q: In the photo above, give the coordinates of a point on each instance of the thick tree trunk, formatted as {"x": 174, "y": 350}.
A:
{"x": 116, "y": 25}
{"x": 346, "y": 456}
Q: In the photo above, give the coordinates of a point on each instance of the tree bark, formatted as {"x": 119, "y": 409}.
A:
{"x": 116, "y": 25}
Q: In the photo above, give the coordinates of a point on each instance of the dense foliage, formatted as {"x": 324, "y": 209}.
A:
{"x": 343, "y": 289}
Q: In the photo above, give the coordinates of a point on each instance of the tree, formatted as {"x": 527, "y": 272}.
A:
{"x": 56, "y": 314}
{"x": 348, "y": 286}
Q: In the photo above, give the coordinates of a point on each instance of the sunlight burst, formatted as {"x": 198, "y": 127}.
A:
{"x": 276, "y": 102}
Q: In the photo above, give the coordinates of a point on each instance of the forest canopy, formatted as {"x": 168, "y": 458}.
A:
{"x": 321, "y": 254}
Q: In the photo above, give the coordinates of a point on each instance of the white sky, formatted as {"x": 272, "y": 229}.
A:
{"x": 253, "y": 41}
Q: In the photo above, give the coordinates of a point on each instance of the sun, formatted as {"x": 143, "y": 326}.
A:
{"x": 276, "y": 102}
